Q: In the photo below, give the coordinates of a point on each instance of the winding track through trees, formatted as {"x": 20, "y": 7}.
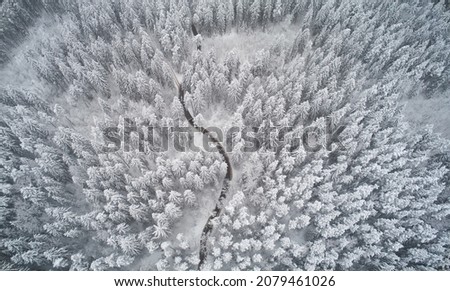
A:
{"x": 228, "y": 177}
{"x": 226, "y": 183}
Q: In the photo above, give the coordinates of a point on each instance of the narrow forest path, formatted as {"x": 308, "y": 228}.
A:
{"x": 228, "y": 177}
{"x": 226, "y": 183}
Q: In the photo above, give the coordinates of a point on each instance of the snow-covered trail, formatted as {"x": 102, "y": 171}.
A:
{"x": 228, "y": 177}
{"x": 227, "y": 180}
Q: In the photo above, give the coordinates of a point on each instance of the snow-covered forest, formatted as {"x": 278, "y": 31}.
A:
{"x": 375, "y": 195}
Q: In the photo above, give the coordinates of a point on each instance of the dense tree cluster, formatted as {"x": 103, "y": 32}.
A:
{"x": 376, "y": 199}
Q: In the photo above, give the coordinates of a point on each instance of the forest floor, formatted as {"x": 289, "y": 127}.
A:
{"x": 247, "y": 44}
{"x": 422, "y": 112}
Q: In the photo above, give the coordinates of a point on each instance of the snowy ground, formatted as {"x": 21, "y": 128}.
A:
{"x": 247, "y": 44}
{"x": 422, "y": 112}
